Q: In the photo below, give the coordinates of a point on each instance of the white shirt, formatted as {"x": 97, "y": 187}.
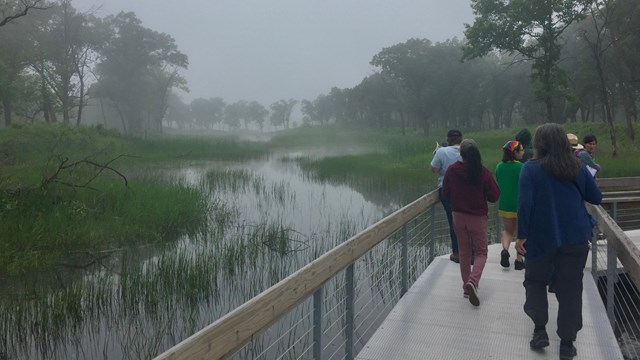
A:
{"x": 445, "y": 157}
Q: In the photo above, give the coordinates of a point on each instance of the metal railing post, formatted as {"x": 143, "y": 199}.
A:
{"x": 404, "y": 261}
{"x": 612, "y": 264}
{"x": 349, "y": 313}
{"x": 432, "y": 234}
{"x": 498, "y": 227}
{"x": 317, "y": 324}
{"x": 594, "y": 251}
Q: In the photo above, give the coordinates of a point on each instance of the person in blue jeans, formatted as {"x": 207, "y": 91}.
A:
{"x": 554, "y": 229}
{"x": 442, "y": 159}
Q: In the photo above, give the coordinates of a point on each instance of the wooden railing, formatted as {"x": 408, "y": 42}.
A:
{"x": 619, "y": 183}
{"x": 225, "y": 336}
{"x": 627, "y": 252}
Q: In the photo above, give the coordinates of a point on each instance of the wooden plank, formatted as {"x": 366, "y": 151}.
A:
{"x": 229, "y": 333}
{"x": 627, "y": 252}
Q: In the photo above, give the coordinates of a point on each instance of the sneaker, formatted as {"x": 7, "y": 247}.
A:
{"x": 473, "y": 293}
{"x": 504, "y": 258}
{"x": 518, "y": 264}
{"x": 567, "y": 352}
{"x": 465, "y": 295}
{"x": 540, "y": 339}
{"x": 455, "y": 258}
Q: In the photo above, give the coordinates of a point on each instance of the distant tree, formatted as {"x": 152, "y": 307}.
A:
{"x": 531, "y": 29}
{"x": 234, "y": 114}
{"x": 281, "y": 112}
{"x": 207, "y": 112}
{"x": 178, "y": 112}
{"x": 408, "y": 63}
{"x": 376, "y": 100}
{"x": 256, "y": 113}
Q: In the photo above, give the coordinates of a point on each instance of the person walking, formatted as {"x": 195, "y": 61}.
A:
{"x": 586, "y": 154}
{"x": 469, "y": 185}
{"x": 524, "y": 137}
{"x": 507, "y": 176}
{"x": 554, "y": 229}
{"x": 442, "y": 159}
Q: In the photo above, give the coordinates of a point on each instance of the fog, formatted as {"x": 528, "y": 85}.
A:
{"x": 271, "y": 50}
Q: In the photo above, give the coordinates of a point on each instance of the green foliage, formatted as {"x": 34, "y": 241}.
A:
{"x": 531, "y": 29}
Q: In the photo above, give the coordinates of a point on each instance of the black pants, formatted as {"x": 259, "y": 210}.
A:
{"x": 446, "y": 204}
{"x": 566, "y": 265}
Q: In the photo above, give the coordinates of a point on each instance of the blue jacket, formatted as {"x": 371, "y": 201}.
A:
{"x": 551, "y": 212}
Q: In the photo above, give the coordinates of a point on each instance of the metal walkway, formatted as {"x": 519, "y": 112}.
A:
{"x": 434, "y": 321}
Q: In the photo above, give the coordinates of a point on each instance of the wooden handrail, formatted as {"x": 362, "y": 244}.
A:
{"x": 621, "y": 182}
{"x": 626, "y": 199}
{"x": 226, "y": 335}
{"x": 627, "y": 252}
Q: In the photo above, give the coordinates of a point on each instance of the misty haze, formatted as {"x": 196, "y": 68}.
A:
{"x": 162, "y": 163}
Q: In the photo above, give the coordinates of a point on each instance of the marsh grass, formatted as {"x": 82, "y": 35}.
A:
{"x": 49, "y": 213}
{"x": 406, "y": 159}
{"x": 41, "y": 227}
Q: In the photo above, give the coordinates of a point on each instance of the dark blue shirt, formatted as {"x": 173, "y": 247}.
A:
{"x": 551, "y": 212}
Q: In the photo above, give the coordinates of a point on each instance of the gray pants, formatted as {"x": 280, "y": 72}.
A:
{"x": 566, "y": 265}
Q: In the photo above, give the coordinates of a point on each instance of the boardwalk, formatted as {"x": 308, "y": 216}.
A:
{"x": 434, "y": 321}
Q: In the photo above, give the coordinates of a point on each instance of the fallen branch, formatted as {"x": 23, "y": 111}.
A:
{"x": 63, "y": 165}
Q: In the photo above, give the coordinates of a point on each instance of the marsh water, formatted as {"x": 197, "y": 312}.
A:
{"x": 267, "y": 219}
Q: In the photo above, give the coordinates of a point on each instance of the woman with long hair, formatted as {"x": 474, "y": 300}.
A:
{"x": 469, "y": 186}
{"x": 554, "y": 229}
{"x": 507, "y": 175}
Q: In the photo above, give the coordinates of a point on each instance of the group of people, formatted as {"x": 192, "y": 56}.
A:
{"x": 540, "y": 185}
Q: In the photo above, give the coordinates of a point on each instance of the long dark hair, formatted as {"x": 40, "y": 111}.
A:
{"x": 471, "y": 160}
{"x": 553, "y": 151}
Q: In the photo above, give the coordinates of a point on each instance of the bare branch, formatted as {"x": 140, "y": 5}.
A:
{"x": 25, "y": 7}
{"x": 64, "y": 165}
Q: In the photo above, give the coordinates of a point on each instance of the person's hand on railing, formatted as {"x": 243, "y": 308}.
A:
{"x": 520, "y": 246}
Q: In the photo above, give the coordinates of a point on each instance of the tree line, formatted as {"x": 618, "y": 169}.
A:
{"x": 55, "y": 60}
{"x": 520, "y": 61}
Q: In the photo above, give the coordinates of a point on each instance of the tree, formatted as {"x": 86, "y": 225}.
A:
{"x": 14, "y": 55}
{"x": 65, "y": 44}
{"x": 281, "y": 112}
{"x": 137, "y": 68}
{"x": 255, "y": 113}
{"x": 624, "y": 27}
{"x": 408, "y": 63}
{"x": 530, "y": 29}
{"x": 11, "y": 10}
{"x": 234, "y": 113}
{"x": 178, "y": 112}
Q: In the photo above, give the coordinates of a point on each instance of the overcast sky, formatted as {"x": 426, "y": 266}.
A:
{"x": 279, "y": 49}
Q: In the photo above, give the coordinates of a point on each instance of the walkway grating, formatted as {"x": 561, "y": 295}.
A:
{"x": 434, "y": 321}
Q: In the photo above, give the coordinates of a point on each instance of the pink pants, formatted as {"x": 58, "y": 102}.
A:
{"x": 471, "y": 231}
